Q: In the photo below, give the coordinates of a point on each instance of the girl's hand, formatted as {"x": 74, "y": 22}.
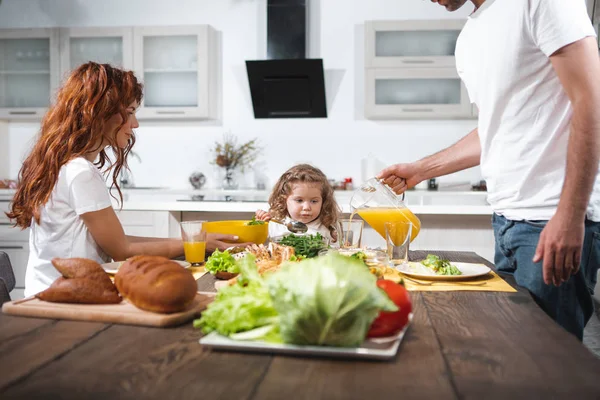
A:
{"x": 262, "y": 215}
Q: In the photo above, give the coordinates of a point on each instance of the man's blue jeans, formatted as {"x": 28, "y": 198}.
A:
{"x": 569, "y": 304}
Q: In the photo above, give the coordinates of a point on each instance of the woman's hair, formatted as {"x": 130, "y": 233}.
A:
{"x": 73, "y": 127}
{"x": 304, "y": 173}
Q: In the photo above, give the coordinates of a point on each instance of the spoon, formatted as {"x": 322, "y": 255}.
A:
{"x": 293, "y": 226}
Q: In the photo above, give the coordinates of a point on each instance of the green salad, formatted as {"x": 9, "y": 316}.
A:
{"x": 330, "y": 300}
{"x": 440, "y": 266}
{"x": 307, "y": 246}
{"x": 254, "y": 221}
{"x": 221, "y": 261}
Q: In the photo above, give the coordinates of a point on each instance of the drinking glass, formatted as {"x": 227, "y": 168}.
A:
{"x": 350, "y": 232}
{"x": 397, "y": 237}
{"x": 194, "y": 242}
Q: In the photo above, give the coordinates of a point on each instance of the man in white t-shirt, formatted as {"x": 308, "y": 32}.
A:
{"x": 532, "y": 69}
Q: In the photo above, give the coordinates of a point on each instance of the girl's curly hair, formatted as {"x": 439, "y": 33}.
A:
{"x": 304, "y": 173}
{"x": 72, "y": 127}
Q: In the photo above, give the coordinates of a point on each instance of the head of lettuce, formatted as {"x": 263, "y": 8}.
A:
{"x": 329, "y": 300}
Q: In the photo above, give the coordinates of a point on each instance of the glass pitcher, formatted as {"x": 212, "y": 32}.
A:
{"x": 377, "y": 204}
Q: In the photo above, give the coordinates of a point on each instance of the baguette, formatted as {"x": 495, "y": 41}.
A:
{"x": 82, "y": 281}
{"x": 156, "y": 284}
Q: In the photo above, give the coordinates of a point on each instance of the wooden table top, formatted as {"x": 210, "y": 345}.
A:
{"x": 478, "y": 345}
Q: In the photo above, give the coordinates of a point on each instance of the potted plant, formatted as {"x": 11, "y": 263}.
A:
{"x": 231, "y": 156}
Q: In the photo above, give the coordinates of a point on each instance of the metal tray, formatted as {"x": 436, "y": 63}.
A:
{"x": 373, "y": 349}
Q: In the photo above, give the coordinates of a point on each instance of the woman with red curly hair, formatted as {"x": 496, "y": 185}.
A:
{"x": 62, "y": 194}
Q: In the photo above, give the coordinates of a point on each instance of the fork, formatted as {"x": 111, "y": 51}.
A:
{"x": 454, "y": 283}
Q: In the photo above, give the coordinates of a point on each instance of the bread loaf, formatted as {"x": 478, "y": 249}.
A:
{"x": 83, "y": 281}
{"x": 156, "y": 284}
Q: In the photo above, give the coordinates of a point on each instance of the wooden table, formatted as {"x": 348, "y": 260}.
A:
{"x": 478, "y": 345}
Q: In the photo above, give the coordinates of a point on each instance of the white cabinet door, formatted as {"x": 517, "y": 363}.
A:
{"x": 102, "y": 45}
{"x": 406, "y": 93}
{"x": 18, "y": 253}
{"x": 160, "y": 224}
{"x": 28, "y": 72}
{"x": 178, "y": 66}
{"x": 411, "y": 43}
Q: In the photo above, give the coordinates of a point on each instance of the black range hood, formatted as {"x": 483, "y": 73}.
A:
{"x": 287, "y": 85}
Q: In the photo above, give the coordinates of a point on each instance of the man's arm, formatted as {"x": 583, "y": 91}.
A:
{"x": 578, "y": 68}
{"x": 465, "y": 153}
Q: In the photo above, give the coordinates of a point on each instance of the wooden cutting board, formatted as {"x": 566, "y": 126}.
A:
{"x": 123, "y": 313}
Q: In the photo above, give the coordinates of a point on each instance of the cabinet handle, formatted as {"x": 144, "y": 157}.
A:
{"x": 5, "y": 223}
{"x": 11, "y": 247}
{"x": 22, "y": 112}
{"x": 171, "y": 112}
{"x": 417, "y": 109}
{"x": 418, "y": 61}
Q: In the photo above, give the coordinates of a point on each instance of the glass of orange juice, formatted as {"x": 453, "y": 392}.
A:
{"x": 194, "y": 241}
{"x": 397, "y": 237}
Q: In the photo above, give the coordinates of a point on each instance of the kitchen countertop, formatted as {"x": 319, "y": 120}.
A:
{"x": 442, "y": 202}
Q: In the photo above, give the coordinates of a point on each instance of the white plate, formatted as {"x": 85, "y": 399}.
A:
{"x": 113, "y": 267}
{"x": 469, "y": 270}
{"x": 375, "y": 349}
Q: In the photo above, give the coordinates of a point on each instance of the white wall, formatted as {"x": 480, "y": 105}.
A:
{"x": 170, "y": 151}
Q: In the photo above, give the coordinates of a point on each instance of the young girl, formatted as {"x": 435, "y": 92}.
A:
{"x": 62, "y": 194}
{"x": 303, "y": 194}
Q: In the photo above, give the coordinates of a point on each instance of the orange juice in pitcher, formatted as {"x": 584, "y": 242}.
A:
{"x": 377, "y": 204}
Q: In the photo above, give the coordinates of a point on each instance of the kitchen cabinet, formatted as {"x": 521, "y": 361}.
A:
{"x": 15, "y": 243}
{"x": 160, "y": 224}
{"x": 179, "y": 68}
{"x": 29, "y": 72}
{"x": 415, "y": 93}
{"x": 102, "y": 45}
{"x": 410, "y": 71}
{"x": 411, "y": 44}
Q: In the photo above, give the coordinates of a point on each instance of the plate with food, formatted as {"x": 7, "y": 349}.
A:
{"x": 373, "y": 349}
{"x": 437, "y": 269}
{"x": 329, "y": 305}
{"x": 113, "y": 267}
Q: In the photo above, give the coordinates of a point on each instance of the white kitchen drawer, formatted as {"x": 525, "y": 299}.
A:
{"x": 17, "y": 294}
{"x": 160, "y": 224}
{"x": 4, "y": 206}
{"x": 8, "y": 233}
{"x": 144, "y": 231}
{"x": 143, "y": 218}
{"x": 18, "y": 252}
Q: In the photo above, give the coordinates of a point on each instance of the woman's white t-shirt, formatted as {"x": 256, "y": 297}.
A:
{"x": 61, "y": 232}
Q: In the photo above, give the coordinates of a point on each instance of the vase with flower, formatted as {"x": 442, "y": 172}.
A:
{"x": 232, "y": 157}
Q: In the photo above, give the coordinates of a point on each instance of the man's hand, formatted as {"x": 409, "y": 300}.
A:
{"x": 560, "y": 247}
{"x": 262, "y": 215}
{"x": 400, "y": 177}
{"x": 221, "y": 241}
